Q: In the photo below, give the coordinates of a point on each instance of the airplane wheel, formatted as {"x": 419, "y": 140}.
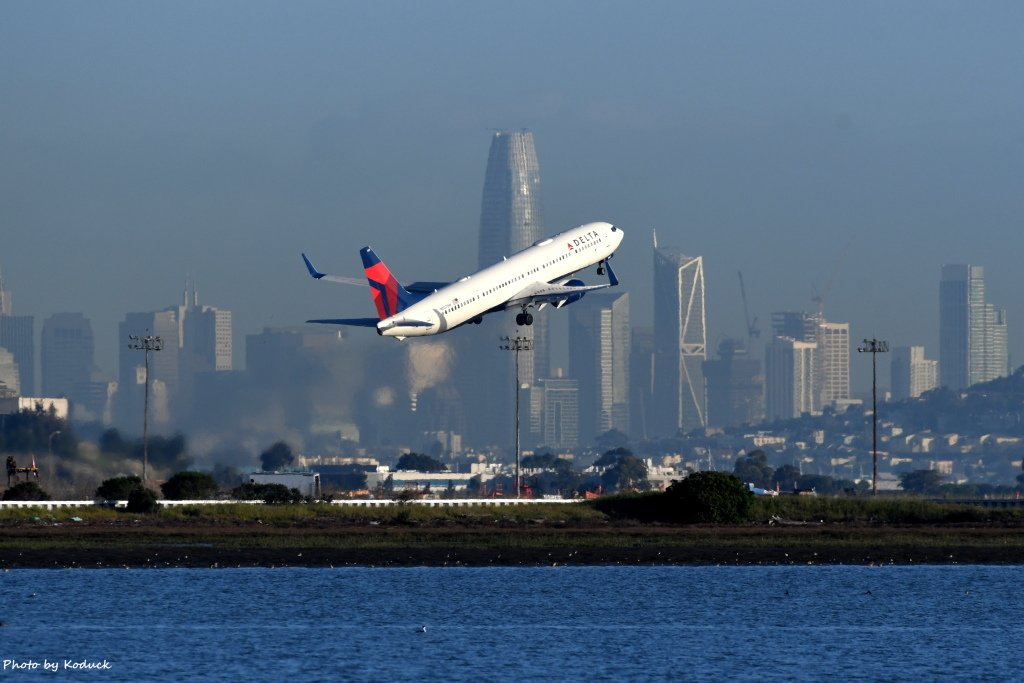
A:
{"x": 600, "y": 270}
{"x": 529, "y": 318}
{"x": 520, "y": 319}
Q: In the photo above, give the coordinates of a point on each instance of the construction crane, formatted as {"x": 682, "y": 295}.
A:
{"x": 752, "y": 331}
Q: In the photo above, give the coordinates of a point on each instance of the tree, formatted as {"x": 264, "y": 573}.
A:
{"x": 417, "y": 462}
{"x": 754, "y": 468}
{"x": 611, "y": 440}
{"x": 786, "y": 478}
{"x": 277, "y": 457}
{"x": 609, "y": 458}
{"x": 271, "y": 494}
{"x": 923, "y": 482}
{"x": 118, "y": 488}
{"x": 26, "y": 490}
{"x": 190, "y": 486}
{"x": 710, "y": 498}
{"x": 630, "y": 472}
{"x": 142, "y": 500}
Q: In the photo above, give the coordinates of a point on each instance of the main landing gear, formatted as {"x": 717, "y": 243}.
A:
{"x": 524, "y": 318}
{"x": 600, "y": 267}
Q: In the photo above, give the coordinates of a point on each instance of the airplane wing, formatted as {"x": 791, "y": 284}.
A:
{"x": 543, "y": 293}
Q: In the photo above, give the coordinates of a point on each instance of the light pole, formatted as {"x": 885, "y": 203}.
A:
{"x": 145, "y": 343}
{"x": 517, "y": 344}
{"x": 49, "y": 450}
{"x": 874, "y": 347}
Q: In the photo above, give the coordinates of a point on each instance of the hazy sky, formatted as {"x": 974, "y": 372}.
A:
{"x": 849, "y": 148}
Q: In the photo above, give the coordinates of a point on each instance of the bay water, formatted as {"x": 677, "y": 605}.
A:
{"x": 601, "y": 623}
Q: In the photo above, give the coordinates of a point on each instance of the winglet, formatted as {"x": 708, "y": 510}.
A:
{"x": 312, "y": 271}
{"x": 612, "y": 280}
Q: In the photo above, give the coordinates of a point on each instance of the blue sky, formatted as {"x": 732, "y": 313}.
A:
{"x": 844, "y": 148}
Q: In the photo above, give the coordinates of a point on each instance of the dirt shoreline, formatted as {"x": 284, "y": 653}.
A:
{"x": 85, "y": 546}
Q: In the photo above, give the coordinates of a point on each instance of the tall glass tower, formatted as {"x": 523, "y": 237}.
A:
{"x": 972, "y": 333}
{"x": 599, "y": 337}
{"x": 511, "y": 219}
{"x": 680, "y": 341}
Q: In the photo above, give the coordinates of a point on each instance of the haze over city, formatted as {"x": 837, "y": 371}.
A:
{"x": 843, "y": 149}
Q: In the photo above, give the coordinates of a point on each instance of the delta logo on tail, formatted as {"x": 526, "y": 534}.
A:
{"x": 388, "y": 296}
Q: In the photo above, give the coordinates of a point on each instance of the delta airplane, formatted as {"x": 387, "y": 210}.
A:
{"x": 539, "y": 275}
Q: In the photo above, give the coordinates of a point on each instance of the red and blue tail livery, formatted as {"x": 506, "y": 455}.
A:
{"x": 538, "y": 276}
{"x": 388, "y": 295}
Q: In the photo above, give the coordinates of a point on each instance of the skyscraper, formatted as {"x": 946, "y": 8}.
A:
{"x": 163, "y": 369}
{"x": 17, "y": 335}
{"x": 641, "y": 383}
{"x": 599, "y": 336}
{"x": 972, "y": 333}
{"x": 511, "y": 219}
{"x": 912, "y": 373}
{"x": 834, "y": 368}
{"x": 789, "y": 378}
{"x": 561, "y": 413}
{"x": 831, "y": 356}
{"x": 67, "y": 356}
{"x": 735, "y": 386}
{"x": 679, "y": 342}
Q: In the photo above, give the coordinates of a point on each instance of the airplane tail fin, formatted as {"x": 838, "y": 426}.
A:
{"x": 388, "y": 295}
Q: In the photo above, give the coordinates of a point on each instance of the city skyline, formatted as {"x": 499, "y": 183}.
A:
{"x": 764, "y": 138}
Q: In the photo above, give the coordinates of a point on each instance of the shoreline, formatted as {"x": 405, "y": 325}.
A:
{"x": 257, "y": 545}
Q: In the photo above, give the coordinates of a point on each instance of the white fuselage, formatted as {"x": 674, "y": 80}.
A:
{"x": 548, "y": 261}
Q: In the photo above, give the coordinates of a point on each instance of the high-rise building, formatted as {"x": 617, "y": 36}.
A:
{"x": 972, "y": 333}
{"x": 735, "y": 386}
{"x": 163, "y": 369}
{"x": 5, "y": 297}
{"x": 912, "y": 373}
{"x": 561, "y": 414}
{"x": 641, "y": 383}
{"x": 832, "y": 355}
{"x": 511, "y": 219}
{"x": 204, "y": 343}
{"x": 599, "y": 336}
{"x": 834, "y": 352}
{"x": 67, "y": 352}
{"x": 789, "y": 378}
{"x": 10, "y": 383}
{"x": 680, "y": 342}
{"x": 17, "y": 335}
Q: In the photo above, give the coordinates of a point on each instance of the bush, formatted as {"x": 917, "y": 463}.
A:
{"x": 26, "y": 490}
{"x": 142, "y": 500}
{"x": 118, "y": 488}
{"x": 190, "y": 486}
{"x": 709, "y": 498}
{"x": 271, "y": 494}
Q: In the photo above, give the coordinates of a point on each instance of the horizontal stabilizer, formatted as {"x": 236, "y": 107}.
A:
{"x": 355, "y": 322}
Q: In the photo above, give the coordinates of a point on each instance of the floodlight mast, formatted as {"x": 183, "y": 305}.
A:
{"x": 517, "y": 344}
{"x": 145, "y": 343}
{"x": 874, "y": 347}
